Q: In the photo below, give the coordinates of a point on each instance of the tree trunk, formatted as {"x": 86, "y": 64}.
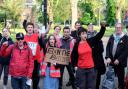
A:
{"x": 74, "y": 11}
{"x": 50, "y": 9}
{"x": 118, "y": 14}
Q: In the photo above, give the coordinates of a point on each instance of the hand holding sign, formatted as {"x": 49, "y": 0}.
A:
{"x": 57, "y": 55}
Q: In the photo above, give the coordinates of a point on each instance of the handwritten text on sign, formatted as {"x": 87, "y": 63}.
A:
{"x": 57, "y": 55}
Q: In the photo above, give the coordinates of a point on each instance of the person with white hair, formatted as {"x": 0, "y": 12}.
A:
{"x": 117, "y": 53}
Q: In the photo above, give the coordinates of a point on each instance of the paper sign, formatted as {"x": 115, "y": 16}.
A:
{"x": 33, "y": 46}
{"x": 29, "y": 82}
{"x": 57, "y": 55}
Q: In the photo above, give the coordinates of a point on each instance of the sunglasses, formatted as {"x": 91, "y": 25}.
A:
{"x": 19, "y": 39}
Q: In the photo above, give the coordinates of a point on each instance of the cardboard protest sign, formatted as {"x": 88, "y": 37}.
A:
{"x": 57, "y": 55}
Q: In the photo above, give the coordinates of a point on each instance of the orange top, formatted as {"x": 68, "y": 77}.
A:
{"x": 85, "y": 59}
{"x": 34, "y": 45}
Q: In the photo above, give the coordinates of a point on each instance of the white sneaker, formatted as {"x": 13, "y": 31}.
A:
{"x": 4, "y": 87}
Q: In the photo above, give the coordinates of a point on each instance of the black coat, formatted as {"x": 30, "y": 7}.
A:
{"x": 74, "y": 34}
{"x": 5, "y": 61}
{"x": 98, "y": 52}
{"x": 121, "y": 52}
{"x": 94, "y": 44}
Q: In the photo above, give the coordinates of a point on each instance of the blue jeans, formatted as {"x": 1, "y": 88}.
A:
{"x": 49, "y": 82}
{"x": 19, "y": 83}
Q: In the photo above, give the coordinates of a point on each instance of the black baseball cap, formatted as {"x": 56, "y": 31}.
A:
{"x": 19, "y": 36}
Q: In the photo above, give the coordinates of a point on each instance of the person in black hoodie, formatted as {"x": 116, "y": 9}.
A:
{"x": 84, "y": 59}
{"x": 4, "y": 62}
{"x": 98, "y": 55}
{"x": 74, "y": 33}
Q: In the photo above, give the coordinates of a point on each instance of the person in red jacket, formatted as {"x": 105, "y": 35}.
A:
{"x": 21, "y": 63}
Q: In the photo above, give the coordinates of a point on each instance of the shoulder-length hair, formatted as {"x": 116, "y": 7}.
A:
{"x": 48, "y": 43}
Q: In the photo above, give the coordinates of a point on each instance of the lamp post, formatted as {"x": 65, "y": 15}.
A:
{"x": 44, "y": 12}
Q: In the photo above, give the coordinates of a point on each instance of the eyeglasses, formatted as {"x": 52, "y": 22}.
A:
{"x": 19, "y": 39}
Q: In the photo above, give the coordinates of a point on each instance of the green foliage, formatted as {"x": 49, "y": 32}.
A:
{"x": 92, "y": 7}
{"x": 39, "y": 13}
{"x": 58, "y": 19}
{"x": 61, "y": 10}
{"x": 111, "y": 10}
{"x": 86, "y": 18}
{"x": 40, "y": 17}
{"x": 87, "y": 15}
{"x": 13, "y": 9}
{"x": 2, "y": 19}
{"x": 86, "y": 7}
{"x": 1, "y": 26}
{"x": 39, "y": 1}
{"x": 2, "y": 16}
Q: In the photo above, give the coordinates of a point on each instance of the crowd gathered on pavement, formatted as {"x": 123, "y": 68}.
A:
{"x": 25, "y": 60}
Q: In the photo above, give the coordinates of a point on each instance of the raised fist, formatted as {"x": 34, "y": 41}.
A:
{"x": 5, "y": 43}
{"x": 103, "y": 24}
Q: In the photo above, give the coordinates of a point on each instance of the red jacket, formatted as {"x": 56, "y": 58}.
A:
{"x": 21, "y": 63}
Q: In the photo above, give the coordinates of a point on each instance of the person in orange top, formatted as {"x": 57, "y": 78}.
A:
{"x": 82, "y": 56}
{"x": 32, "y": 37}
{"x": 32, "y": 40}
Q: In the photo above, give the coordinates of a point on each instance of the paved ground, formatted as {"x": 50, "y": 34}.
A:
{"x": 105, "y": 39}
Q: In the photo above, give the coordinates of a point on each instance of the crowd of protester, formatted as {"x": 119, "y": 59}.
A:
{"x": 25, "y": 59}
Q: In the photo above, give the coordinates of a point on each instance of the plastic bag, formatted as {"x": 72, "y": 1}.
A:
{"x": 109, "y": 79}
